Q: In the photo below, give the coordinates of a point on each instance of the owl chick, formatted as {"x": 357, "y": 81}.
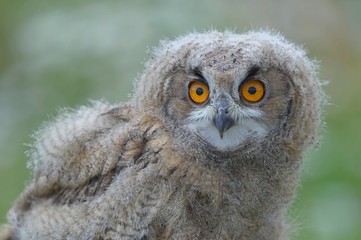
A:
{"x": 209, "y": 147}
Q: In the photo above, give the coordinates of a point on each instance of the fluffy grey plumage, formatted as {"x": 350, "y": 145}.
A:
{"x": 177, "y": 164}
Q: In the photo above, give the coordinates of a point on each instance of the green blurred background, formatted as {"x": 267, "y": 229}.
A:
{"x": 61, "y": 53}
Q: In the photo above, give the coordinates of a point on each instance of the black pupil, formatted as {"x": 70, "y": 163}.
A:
{"x": 252, "y": 90}
{"x": 199, "y": 91}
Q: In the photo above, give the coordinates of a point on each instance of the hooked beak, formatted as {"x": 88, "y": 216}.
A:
{"x": 223, "y": 121}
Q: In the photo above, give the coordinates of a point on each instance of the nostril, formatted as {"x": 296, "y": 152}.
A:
{"x": 222, "y": 110}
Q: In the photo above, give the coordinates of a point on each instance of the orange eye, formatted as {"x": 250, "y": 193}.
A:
{"x": 252, "y": 91}
{"x": 198, "y": 92}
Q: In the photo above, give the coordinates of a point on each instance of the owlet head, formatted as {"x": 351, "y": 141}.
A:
{"x": 229, "y": 90}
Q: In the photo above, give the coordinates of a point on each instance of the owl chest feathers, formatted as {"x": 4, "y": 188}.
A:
{"x": 230, "y": 199}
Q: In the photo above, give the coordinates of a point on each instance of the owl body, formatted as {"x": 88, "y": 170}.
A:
{"x": 191, "y": 156}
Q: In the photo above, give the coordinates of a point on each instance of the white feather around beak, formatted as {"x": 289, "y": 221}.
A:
{"x": 247, "y": 125}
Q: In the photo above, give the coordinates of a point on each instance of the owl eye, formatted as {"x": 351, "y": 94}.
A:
{"x": 198, "y": 92}
{"x": 252, "y": 91}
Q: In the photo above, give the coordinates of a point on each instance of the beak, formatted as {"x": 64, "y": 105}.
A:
{"x": 223, "y": 121}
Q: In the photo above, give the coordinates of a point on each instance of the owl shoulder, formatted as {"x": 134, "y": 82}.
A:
{"x": 70, "y": 149}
